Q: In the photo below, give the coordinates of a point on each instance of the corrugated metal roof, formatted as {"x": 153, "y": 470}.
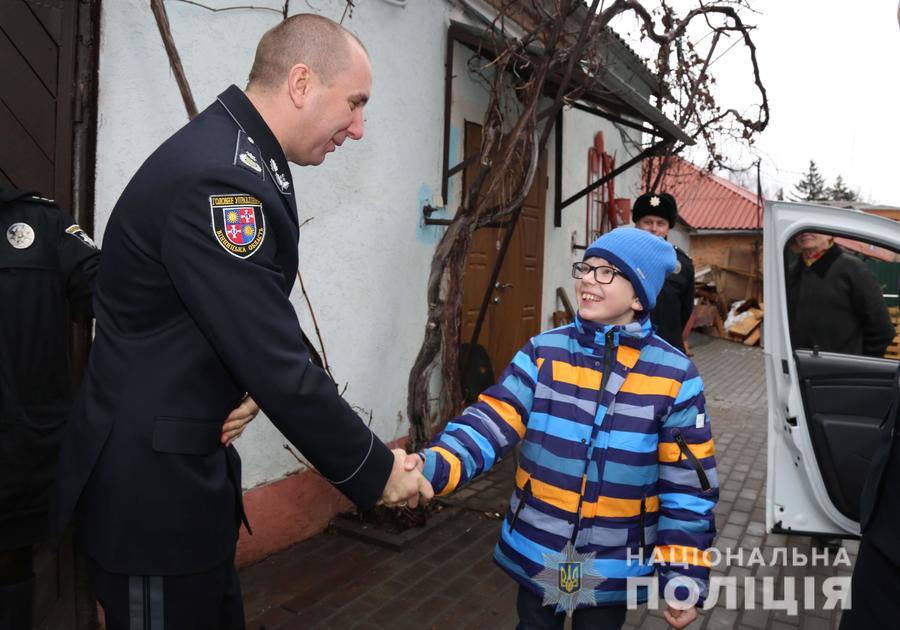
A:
{"x": 709, "y": 202}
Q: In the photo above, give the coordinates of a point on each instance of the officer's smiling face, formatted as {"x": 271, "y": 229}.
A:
{"x": 334, "y": 112}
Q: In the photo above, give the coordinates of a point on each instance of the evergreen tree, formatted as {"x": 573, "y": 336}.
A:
{"x": 840, "y": 191}
{"x": 811, "y": 187}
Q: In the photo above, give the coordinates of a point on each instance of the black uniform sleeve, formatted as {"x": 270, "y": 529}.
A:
{"x": 242, "y": 309}
{"x": 874, "y": 318}
{"x": 79, "y": 260}
{"x": 687, "y": 296}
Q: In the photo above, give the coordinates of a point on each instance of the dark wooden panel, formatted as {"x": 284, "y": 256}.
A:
{"x": 5, "y": 181}
{"x": 23, "y": 162}
{"x": 51, "y": 15}
{"x": 65, "y": 107}
{"x": 27, "y": 99}
{"x": 32, "y": 41}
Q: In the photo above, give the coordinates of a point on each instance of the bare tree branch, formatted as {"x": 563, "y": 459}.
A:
{"x": 162, "y": 22}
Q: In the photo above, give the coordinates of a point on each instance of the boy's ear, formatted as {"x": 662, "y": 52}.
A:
{"x": 636, "y": 304}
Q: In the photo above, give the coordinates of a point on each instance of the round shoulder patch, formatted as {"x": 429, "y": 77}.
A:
{"x": 20, "y": 235}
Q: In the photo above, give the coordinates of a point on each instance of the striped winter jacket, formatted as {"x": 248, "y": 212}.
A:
{"x": 616, "y": 455}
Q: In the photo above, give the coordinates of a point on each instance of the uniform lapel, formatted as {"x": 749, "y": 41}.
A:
{"x": 275, "y": 164}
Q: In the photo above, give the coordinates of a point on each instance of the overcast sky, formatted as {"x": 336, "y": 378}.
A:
{"x": 832, "y": 72}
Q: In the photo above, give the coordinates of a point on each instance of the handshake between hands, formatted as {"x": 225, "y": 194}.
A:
{"x": 406, "y": 486}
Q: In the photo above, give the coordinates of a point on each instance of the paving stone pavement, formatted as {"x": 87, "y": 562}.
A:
{"x": 446, "y": 580}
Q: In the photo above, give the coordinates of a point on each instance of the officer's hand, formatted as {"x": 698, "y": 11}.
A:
{"x": 680, "y": 618}
{"x": 405, "y": 487}
{"x": 238, "y": 420}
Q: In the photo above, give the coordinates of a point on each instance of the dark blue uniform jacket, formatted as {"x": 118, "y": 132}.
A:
{"x": 192, "y": 311}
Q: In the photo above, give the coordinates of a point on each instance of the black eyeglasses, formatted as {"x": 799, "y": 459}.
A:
{"x": 602, "y": 274}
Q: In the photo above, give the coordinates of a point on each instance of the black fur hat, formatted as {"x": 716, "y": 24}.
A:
{"x": 656, "y": 204}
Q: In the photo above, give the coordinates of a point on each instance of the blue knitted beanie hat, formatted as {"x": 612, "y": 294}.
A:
{"x": 644, "y": 258}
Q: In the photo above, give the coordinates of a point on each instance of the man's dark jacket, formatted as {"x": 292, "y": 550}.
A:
{"x": 192, "y": 311}
{"x": 675, "y": 302}
{"x": 880, "y": 501}
{"x": 837, "y": 304}
{"x": 47, "y": 270}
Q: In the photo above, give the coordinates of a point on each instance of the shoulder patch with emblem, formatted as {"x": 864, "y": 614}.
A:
{"x": 238, "y": 223}
{"x": 247, "y": 155}
{"x": 76, "y": 231}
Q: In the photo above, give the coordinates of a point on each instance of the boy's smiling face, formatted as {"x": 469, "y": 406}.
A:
{"x": 614, "y": 303}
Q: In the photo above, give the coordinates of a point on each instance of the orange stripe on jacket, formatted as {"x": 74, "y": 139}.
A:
{"x": 568, "y": 500}
{"x": 681, "y": 554}
{"x": 670, "y": 453}
{"x": 455, "y": 468}
{"x": 578, "y": 376}
{"x": 650, "y": 385}
{"x": 628, "y": 356}
{"x": 622, "y": 508}
{"x": 507, "y": 413}
{"x": 563, "y": 499}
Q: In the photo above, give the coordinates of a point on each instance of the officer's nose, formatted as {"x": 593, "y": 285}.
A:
{"x": 355, "y": 130}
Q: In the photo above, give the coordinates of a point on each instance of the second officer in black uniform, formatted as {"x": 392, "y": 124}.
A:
{"x": 192, "y": 311}
{"x": 657, "y": 213}
{"x": 47, "y": 270}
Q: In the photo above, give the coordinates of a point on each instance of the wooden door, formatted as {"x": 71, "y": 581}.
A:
{"x": 514, "y": 312}
{"x": 47, "y": 61}
{"x": 38, "y": 46}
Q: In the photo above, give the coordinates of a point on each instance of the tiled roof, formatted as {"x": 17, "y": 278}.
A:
{"x": 709, "y": 202}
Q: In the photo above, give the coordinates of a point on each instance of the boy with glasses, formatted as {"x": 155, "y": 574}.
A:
{"x": 616, "y": 459}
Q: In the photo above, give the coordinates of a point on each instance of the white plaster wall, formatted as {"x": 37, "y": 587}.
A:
{"x": 365, "y": 255}
{"x": 579, "y": 129}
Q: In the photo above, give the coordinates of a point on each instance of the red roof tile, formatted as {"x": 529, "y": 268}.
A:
{"x": 709, "y": 202}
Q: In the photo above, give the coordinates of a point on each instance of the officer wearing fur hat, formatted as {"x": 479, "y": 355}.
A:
{"x": 656, "y": 213}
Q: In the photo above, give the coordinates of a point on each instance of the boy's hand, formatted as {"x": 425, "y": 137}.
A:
{"x": 413, "y": 461}
{"x": 680, "y": 618}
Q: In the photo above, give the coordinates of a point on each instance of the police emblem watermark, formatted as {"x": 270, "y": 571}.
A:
{"x": 569, "y": 579}
{"x": 238, "y": 223}
{"x": 20, "y": 235}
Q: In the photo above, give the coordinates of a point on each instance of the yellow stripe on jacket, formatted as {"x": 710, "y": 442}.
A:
{"x": 669, "y": 452}
{"x": 567, "y": 500}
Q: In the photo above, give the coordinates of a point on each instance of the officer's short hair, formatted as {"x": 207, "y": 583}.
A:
{"x": 314, "y": 40}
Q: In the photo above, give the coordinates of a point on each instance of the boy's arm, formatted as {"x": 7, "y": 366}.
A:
{"x": 486, "y": 430}
{"x": 688, "y": 489}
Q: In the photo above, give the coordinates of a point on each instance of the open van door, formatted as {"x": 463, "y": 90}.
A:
{"x": 824, "y": 408}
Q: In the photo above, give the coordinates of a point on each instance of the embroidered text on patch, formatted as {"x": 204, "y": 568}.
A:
{"x": 238, "y": 223}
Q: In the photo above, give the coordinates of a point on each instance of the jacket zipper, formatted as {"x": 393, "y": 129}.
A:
{"x": 608, "y": 356}
{"x": 526, "y": 490}
{"x": 643, "y": 541}
{"x": 698, "y": 467}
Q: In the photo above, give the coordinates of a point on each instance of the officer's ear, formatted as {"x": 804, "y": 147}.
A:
{"x": 300, "y": 79}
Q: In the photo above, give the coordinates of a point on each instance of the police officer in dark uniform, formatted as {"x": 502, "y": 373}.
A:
{"x": 192, "y": 310}
{"x": 47, "y": 270}
{"x": 656, "y": 213}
